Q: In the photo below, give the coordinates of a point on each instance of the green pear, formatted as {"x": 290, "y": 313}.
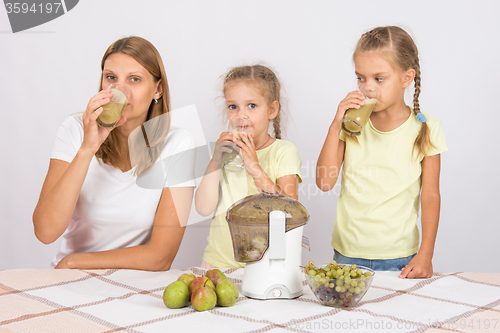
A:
{"x": 176, "y": 295}
{"x": 227, "y": 293}
{"x": 215, "y": 275}
{"x": 203, "y": 298}
{"x": 187, "y": 278}
{"x": 201, "y": 280}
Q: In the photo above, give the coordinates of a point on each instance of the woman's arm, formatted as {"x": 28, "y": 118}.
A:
{"x": 168, "y": 229}
{"x": 58, "y": 196}
{"x": 421, "y": 265}
{"x": 64, "y": 180}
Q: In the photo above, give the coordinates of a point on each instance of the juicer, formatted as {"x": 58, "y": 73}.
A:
{"x": 266, "y": 230}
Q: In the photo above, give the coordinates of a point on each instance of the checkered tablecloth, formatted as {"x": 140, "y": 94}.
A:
{"x": 131, "y": 301}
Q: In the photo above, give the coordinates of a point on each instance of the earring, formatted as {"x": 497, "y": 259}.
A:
{"x": 156, "y": 100}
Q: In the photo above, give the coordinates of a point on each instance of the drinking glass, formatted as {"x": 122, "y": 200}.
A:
{"x": 233, "y": 161}
{"x": 113, "y": 110}
{"x": 356, "y": 119}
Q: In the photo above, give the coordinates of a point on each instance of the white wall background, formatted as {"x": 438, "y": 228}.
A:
{"x": 51, "y": 71}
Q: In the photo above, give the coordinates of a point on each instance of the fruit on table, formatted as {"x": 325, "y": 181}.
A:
{"x": 201, "y": 291}
{"x": 215, "y": 275}
{"x": 227, "y": 293}
{"x": 336, "y": 284}
{"x": 176, "y": 295}
{"x": 187, "y": 278}
{"x": 201, "y": 280}
{"x": 204, "y": 298}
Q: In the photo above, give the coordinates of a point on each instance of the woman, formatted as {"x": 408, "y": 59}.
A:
{"x": 91, "y": 195}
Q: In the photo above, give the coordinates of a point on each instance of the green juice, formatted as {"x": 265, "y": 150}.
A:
{"x": 113, "y": 110}
{"x": 355, "y": 119}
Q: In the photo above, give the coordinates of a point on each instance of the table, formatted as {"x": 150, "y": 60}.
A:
{"x": 49, "y": 300}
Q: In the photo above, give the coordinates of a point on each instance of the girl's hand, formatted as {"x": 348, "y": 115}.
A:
{"x": 353, "y": 100}
{"x": 249, "y": 154}
{"x": 94, "y": 135}
{"x": 222, "y": 146}
{"x": 418, "y": 267}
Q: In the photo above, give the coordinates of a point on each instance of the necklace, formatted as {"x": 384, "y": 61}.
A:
{"x": 268, "y": 137}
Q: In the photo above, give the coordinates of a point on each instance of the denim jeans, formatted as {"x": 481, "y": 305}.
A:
{"x": 375, "y": 264}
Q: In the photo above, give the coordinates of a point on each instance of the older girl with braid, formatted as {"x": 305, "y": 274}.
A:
{"x": 391, "y": 170}
{"x": 271, "y": 164}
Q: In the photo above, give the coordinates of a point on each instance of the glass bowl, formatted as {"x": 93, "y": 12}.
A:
{"x": 340, "y": 292}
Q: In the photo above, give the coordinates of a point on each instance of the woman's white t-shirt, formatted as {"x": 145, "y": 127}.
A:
{"x": 114, "y": 210}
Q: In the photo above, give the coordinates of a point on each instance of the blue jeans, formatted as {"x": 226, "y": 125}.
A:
{"x": 375, "y": 264}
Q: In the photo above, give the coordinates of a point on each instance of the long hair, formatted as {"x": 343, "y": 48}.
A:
{"x": 263, "y": 79}
{"x": 158, "y": 127}
{"x": 402, "y": 54}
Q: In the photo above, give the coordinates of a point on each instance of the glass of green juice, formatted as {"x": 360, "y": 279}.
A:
{"x": 356, "y": 119}
{"x": 233, "y": 161}
{"x": 112, "y": 111}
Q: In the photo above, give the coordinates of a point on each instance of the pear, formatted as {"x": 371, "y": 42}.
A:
{"x": 176, "y": 295}
{"x": 227, "y": 293}
{"x": 201, "y": 280}
{"x": 215, "y": 275}
{"x": 204, "y": 298}
{"x": 187, "y": 278}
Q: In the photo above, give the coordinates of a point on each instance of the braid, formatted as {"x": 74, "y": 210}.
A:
{"x": 276, "y": 126}
{"x": 418, "y": 79}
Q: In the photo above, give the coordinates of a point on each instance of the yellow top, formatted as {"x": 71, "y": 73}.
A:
{"x": 279, "y": 159}
{"x": 379, "y": 201}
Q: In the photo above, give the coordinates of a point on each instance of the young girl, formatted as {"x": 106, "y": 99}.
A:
{"x": 251, "y": 92}
{"x": 91, "y": 197}
{"x": 393, "y": 164}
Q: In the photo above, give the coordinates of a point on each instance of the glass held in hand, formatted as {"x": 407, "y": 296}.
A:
{"x": 233, "y": 161}
{"x": 112, "y": 111}
{"x": 356, "y": 119}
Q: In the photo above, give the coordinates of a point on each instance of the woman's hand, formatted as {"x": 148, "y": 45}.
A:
{"x": 249, "y": 154}
{"x": 66, "y": 262}
{"x": 353, "y": 100}
{"x": 94, "y": 135}
{"x": 418, "y": 267}
{"x": 222, "y": 146}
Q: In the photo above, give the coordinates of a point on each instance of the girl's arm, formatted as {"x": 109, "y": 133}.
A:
{"x": 421, "y": 265}
{"x": 207, "y": 194}
{"x": 286, "y": 185}
{"x": 168, "y": 229}
{"x": 64, "y": 180}
{"x": 332, "y": 154}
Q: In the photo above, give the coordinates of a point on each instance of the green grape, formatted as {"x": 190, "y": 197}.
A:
{"x": 312, "y": 273}
{"x": 357, "y": 290}
{"x": 361, "y": 285}
{"x": 338, "y": 288}
{"x": 331, "y": 285}
{"x": 333, "y": 263}
{"x": 311, "y": 263}
{"x": 354, "y": 283}
{"x": 352, "y": 289}
{"x": 354, "y": 266}
{"x": 329, "y": 274}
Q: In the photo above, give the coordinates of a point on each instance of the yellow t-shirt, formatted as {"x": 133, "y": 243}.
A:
{"x": 279, "y": 159}
{"x": 380, "y": 197}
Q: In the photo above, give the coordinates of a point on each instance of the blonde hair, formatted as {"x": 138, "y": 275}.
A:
{"x": 264, "y": 80}
{"x": 158, "y": 127}
{"x": 402, "y": 53}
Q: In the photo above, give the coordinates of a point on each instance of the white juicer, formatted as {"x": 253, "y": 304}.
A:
{"x": 259, "y": 225}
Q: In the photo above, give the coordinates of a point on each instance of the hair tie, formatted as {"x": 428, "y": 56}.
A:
{"x": 421, "y": 117}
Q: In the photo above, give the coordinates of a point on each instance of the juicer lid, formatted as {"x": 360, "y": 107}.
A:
{"x": 254, "y": 210}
